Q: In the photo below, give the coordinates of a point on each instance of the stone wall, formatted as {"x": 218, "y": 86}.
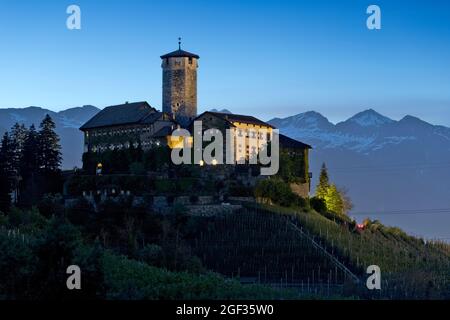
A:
{"x": 301, "y": 189}
{"x": 212, "y": 210}
{"x": 242, "y": 199}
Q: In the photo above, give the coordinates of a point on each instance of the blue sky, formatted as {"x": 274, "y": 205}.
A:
{"x": 264, "y": 58}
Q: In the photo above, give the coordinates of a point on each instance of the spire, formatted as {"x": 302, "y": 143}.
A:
{"x": 180, "y": 53}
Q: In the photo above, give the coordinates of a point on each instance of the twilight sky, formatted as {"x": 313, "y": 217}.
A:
{"x": 264, "y": 58}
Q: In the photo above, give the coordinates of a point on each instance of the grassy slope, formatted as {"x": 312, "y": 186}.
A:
{"x": 410, "y": 266}
{"x": 264, "y": 248}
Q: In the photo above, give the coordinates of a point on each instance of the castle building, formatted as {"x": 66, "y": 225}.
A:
{"x": 249, "y": 133}
{"x": 130, "y": 124}
{"x": 179, "y": 97}
{"x": 139, "y": 124}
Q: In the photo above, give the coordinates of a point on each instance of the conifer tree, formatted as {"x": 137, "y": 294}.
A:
{"x": 5, "y": 173}
{"x": 49, "y": 149}
{"x": 334, "y": 201}
{"x": 18, "y": 136}
{"x": 324, "y": 184}
{"x": 29, "y": 161}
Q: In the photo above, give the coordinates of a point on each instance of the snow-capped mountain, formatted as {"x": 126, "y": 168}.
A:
{"x": 368, "y": 118}
{"x": 365, "y": 132}
{"x": 311, "y": 120}
{"x": 385, "y": 164}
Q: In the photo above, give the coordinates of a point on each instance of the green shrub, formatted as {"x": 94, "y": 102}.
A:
{"x": 80, "y": 213}
{"x": 318, "y": 204}
{"x": 128, "y": 279}
{"x": 301, "y": 202}
{"x": 279, "y": 192}
{"x": 51, "y": 205}
{"x": 26, "y": 220}
{"x": 151, "y": 254}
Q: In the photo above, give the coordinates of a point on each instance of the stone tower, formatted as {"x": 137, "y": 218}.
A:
{"x": 180, "y": 84}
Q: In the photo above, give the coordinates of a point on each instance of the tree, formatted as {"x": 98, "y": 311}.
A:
{"x": 334, "y": 200}
{"x": 18, "y": 136}
{"x": 29, "y": 167}
{"x": 347, "y": 202}
{"x": 6, "y": 155}
{"x": 324, "y": 183}
{"x": 48, "y": 147}
{"x": 29, "y": 162}
{"x": 55, "y": 249}
{"x": 5, "y": 173}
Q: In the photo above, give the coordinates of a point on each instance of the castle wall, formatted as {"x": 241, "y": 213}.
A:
{"x": 248, "y": 138}
{"x": 122, "y": 137}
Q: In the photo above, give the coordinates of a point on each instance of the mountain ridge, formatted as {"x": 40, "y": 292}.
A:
{"x": 385, "y": 165}
{"x": 363, "y": 132}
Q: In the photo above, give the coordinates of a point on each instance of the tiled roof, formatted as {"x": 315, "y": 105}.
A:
{"x": 286, "y": 142}
{"x": 163, "y": 132}
{"x": 128, "y": 113}
{"x": 151, "y": 118}
{"x": 231, "y": 117}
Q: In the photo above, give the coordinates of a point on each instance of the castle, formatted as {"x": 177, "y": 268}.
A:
{"x": 139, "y": 124}
{"x": 180, "y": 85}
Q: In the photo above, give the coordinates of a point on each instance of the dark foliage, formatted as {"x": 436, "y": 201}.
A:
{"x": 29, "y": 163}
{"x": 318, "y": 204}
{"x": 6, "y": 171}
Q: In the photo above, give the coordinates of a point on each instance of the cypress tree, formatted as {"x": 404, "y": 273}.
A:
{"x": 324, "y": 183}
{"x": 49, "y": 149}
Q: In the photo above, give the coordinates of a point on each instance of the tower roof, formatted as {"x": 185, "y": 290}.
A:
{"x": 180, "y": 54}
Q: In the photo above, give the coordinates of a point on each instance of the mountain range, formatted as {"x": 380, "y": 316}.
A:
{"x": 364, "y": 133}
{"x": 394, "y": 170}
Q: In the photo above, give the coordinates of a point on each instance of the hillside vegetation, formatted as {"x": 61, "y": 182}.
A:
{"x": 266, "y": 248}
{"x": 411, "y": 267}
{"x": 35, "y": 252}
